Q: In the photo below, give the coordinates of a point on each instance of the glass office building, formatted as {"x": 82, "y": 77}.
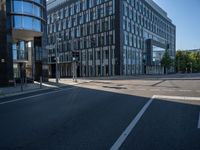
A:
{"x": 112, "y": 37}
{"x": 22, "y": 46}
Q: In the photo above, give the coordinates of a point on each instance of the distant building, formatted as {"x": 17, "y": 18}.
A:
{"x": 22, "y": 40}
{"x": 191, "y": 50}
{"x": 113, "y": 37}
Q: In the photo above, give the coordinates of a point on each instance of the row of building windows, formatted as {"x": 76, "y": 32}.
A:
{"x": 80, "y": 6}
{"x": 25, "y": 7}
{"x": 132, "y": 60}
{"x": 151, "y": 22}
{"x": 27, "y": 23}
{"x": 133, "y": 40}
{"x": 86, "y": 55}
{"x": 93, "y": 27}
{"x": 78, "y": 19}
{"x": 103, "y": 39}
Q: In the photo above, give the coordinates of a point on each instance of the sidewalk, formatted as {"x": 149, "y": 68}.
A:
{"x": 33, "y": 87}
{"x": 69, "y": 81}
{"x": 12, "y": 91}
{"x": 187, "y": 76}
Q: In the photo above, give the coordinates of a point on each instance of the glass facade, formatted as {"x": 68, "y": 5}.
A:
{"x": 28, "y": 15}
{"x": 87, "y": 27}
{"x": 158, "y": 53}
{"x": 23, "y": 31}
{"x": 20, "y": 51}
{"x": 27, "y": 23}
{"x": 130, "y": 22}
{"x": 142, "y": 22}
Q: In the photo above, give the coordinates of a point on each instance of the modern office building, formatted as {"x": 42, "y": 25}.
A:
{"x": 112, "y": 37}
{"x": 22, "y": 40}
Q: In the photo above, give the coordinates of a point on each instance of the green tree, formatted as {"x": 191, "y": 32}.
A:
{"x": 187, "y": 61}
{"x": 166, "y": 61}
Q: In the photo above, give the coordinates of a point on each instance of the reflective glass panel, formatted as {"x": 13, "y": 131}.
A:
{"x": 158, "y": 53}
{"x": 27, "y": 23}
{"x": 18, "y": 22}
{"x": 14, "y": 51}
{"x": 17, "y": 6}
{"x": 27, "y": 8}
{"x": 37, "y": 25}
{"x": 37, "y": 11}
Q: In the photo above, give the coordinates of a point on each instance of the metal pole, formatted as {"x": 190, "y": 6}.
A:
{"x": 22, "y": 85}
{"x": 75, "y": 69}
{"x": 40, "y": 81}
{"x": 56, "y": 60}
{"x": 56, "y": 50}
{"x": 21, "y": 78}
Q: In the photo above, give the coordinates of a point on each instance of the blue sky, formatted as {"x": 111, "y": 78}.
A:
{"x": 185, "y": 14}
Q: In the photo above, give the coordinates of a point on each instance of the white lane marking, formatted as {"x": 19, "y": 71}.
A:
{"x": 198, "y": 91}
{"x": 130, "y": 127}
{"x": 177, "y": 97}
{"x": 21, "y": 99}
{"x": 198, "y": 126}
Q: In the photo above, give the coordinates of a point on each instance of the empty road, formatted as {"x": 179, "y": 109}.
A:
{"x": 105, "y": 114}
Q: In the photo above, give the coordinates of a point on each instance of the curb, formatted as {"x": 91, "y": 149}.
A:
{"x": 2, "y": 95}
{"x": 21, "y": 93}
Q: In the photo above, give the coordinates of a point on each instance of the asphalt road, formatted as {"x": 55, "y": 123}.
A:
{"x": 94, "y": 115}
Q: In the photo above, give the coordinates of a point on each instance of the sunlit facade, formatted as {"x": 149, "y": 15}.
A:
{"x": 24, "y": 51}
{"x": 130, "y": 36}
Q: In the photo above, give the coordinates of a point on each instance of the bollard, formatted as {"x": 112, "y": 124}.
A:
{"x": 40, "y": 81}
{"x": 21, "y": 85}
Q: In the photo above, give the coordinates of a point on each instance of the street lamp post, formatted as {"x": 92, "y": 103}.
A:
{"x": 93, "y": 55}
{"x": 57, "y": 59}
{"x": 56, "y": 17}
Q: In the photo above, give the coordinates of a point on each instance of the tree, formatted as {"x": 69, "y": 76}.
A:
{"x": 187, "y": 61}
{"x": 166, "y": 61}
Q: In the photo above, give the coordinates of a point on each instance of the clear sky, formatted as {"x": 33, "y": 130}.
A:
{"x": 185, "y": 14}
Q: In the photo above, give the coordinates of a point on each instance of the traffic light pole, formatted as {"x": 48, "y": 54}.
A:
{"x": 56, "y": 60}
{"x": 75, "y": 67}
